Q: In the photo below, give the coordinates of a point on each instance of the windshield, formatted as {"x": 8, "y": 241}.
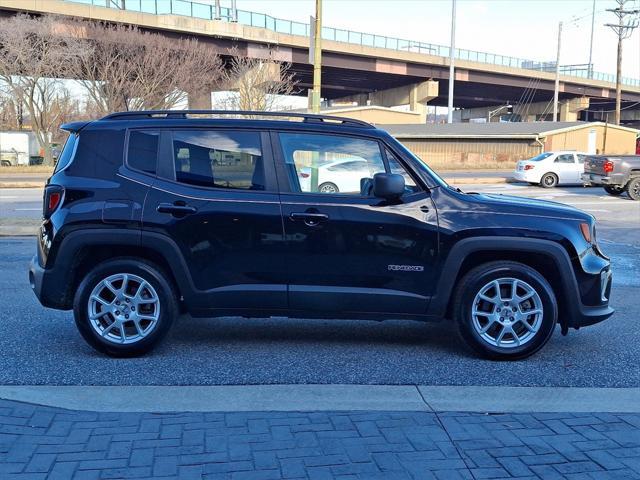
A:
{"x": 542, "y": 156}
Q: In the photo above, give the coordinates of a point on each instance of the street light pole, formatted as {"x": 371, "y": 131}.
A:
{"x": 556, "y": 90}
{"x": 317, "y": 59}
{"x": 593, "y": 19}
{"x": 452, "y": 47}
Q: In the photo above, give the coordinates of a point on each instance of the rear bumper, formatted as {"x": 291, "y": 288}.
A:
{"x": 526, "y": 176}
{"x": 597, "y": 179}
{"x": 48, "y": 286}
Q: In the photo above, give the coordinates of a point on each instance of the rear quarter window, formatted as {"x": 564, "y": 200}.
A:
{"x": 99, "y": 153}
{"x": 68, "y": 152}
{"x": 142, "y": 150}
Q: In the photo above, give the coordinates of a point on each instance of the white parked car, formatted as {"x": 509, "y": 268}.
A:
{"x": 552, "y": 168}
{"x": 338, "y": 176}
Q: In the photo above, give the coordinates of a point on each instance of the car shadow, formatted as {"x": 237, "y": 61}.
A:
{"x": 226, "y": 330}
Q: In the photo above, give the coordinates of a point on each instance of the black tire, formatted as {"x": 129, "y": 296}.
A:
{"x": 633, "y": 188}
{"x": 329, "y": 187}
{"x": 549, "y": 180}
{"x": 474, "y": 282}
{"x": 153, "y": 275}
{"x": 615, "y": 191}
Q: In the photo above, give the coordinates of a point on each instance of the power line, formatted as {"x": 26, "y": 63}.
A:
{"x": 627, "y": 21}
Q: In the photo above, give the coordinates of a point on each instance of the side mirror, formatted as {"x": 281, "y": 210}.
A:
{"x": 389, "y": 186}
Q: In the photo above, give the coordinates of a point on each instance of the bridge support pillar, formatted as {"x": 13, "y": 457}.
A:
{"x": 416, "y": 96}
{"x": 531, "y": 112}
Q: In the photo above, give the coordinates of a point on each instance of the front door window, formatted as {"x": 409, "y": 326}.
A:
{"x": 330, "y": 164}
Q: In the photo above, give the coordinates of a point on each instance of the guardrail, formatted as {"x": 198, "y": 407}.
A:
{"x": 208, "y": 12}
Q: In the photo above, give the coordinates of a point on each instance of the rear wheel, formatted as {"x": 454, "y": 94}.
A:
{"x": 549, "y": 180}
{"x": 505, "y": 310}
{"x": 633, "y": 188}
{"x": 124, "y": 307}
{"x": 614, "y": 190}
{"x": 328, "y": 187}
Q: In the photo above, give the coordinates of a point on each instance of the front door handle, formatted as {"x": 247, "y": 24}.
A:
{"x": 424, "y": 208}
{"x": 177, "y": 210}
{"x": 310, "y": 219}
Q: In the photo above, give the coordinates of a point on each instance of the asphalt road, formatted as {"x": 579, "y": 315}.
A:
{"x": 42, "y": 346}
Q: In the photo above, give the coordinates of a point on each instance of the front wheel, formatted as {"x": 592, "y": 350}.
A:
{"x": 633, "y": 188}
{"x": 505, "y": 310}
{"x": 614, "y": 190}
{"x": 124, "y": 307}
{"x": 549, "y": 180}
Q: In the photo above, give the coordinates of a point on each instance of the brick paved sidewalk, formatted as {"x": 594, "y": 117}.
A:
{"x": 42, "y": 442}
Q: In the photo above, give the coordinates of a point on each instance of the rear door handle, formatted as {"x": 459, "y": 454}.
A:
{"x": 176, "y": 210}
{"x": 310, "y": 219}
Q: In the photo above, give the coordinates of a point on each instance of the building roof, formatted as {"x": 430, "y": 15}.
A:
{"x": 490, "y": 130}
{"x": 353, "y": 108}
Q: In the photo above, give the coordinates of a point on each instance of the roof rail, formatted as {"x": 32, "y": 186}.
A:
{"x": 168, "y": 114}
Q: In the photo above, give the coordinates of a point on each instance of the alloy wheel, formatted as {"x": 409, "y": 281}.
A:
{"x": 507, "y": 313}
{"x": 123, "y": 308}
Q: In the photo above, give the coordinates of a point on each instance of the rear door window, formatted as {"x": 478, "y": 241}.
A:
{"x": 565, "y": 158}
{"x": 218, "y": 159}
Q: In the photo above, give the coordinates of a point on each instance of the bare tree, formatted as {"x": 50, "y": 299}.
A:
{"x": 35, "y": 53}
{"x": 10, "y": 112}
{"x": 133, "y": 70}
{"x": 256, "y": 83}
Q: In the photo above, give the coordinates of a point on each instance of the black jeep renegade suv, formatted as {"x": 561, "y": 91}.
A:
{"x": 152, "y": 213}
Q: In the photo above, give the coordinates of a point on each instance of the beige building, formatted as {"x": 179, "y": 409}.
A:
{"x": 501, "y": 145}
{"x": 372, "y": 114}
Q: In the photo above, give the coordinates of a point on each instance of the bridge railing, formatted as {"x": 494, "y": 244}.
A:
{"x": 207, "y": 11}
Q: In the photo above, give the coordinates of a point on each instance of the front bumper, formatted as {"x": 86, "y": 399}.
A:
{"x": 585, "y": 315}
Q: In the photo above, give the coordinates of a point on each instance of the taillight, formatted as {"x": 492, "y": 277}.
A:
{"x": 608, "y": 166}
{"x": 529, "y": 167}
{"x": 52, "y": 199}
{"x": 303, "y": 175}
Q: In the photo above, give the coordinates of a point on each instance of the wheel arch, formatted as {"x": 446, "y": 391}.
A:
{"x": 80, "y": 251}
{"x": 547, "y": 257}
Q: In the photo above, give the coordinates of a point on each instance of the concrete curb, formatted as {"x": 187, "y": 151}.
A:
{"x": 328, "y": 398}
{"x": 476, "y": 180}
{"x": 22, "y": 184}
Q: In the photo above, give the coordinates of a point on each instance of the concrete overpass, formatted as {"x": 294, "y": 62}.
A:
{"x": 368, "y": 68}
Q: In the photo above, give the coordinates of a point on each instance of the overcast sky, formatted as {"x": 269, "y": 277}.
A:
{"x": 520, "y": 28}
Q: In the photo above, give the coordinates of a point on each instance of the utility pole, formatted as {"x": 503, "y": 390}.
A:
{"x": 452, "y": 48}
{"x": 593, "y": 20}
{"x": 317, "y": 59}
{"x": 556, "y": 90}
{"x": 627, "y": 22}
